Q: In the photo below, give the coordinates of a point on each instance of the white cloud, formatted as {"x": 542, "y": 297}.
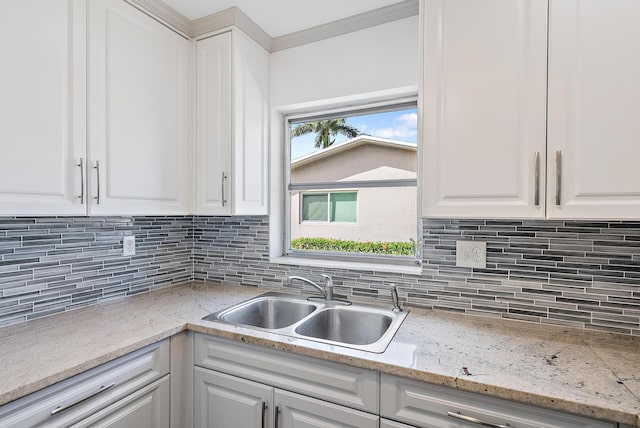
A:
{"x": 410, "y": 119}
{"x": 404, "y": 127}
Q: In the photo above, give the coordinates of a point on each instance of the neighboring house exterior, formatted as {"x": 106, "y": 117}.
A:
{"x": 356, "y": 213}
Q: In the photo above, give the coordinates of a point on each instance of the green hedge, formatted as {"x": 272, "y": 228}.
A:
{"x": 328, "y": 244}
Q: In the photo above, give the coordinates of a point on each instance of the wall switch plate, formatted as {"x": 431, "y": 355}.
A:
{"x": 471, "y": 254}
{"x": 129, "y": 245}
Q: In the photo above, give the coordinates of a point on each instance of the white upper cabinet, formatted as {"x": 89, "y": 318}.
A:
{"x": 594, "y": 109}
{"x": 485, "y": 94}
{"x": 138, "y": 113}
{"x": 42, "y": 107}
{"x": 213, "y": 134}
{"x": 484, "y": 100}
{"x": 232, "y": 125}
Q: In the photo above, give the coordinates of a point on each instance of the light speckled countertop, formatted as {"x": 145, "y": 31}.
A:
{"x": 583, "y": 372}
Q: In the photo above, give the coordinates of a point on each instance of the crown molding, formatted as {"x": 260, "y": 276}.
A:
{"x": 362, "y": 21}
{"x": 235, "y": 17}
{"x": 231, "y": 17}
{"x": 165, "y": 14}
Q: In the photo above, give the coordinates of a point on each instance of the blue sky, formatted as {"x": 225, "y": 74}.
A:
{"x": 396, "y": 125}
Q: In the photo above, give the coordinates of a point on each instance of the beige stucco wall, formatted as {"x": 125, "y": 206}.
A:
{"x": 359, "y": 163}
{"x": 383, "y": 214}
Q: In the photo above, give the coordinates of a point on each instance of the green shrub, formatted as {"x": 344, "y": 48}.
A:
{"x": 329, "y": 244}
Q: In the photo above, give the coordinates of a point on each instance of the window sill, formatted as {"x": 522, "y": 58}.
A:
{"x": 350, "y": 265}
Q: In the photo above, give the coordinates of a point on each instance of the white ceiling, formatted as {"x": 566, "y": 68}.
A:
{"x": 279, "y": 17}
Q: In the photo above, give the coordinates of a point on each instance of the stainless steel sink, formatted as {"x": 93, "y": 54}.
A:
{"x": 267, "y": 311}
{"x": 364, "y": 327}
{"x": 346, "y": 325}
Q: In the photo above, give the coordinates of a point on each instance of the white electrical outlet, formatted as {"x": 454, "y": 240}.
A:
{"x": 471, "y": 254}
{"x": 129, "y": 245}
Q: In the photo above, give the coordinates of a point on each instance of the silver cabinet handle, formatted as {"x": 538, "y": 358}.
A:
{"x": 558, "y": 177}
{"x": 277, "y": 422}
{"x": 476, "y": 421}
{"x": 224, "y": 179}
{"x": 81, "y": 165}
{"x": 83, "y": 399}
{"x": 97, "y": 168}
{"x": 536, "y": 191}
{"x": 264, "y": 414}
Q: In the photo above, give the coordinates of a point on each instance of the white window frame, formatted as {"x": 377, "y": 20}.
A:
{"x": 386, "y": 263}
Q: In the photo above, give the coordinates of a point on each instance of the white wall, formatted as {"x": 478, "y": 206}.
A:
{"x": 368, "y": 64}
{"x": 371, "y": 60}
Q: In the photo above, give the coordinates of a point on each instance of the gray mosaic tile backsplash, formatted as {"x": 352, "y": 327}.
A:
{"x": 50, "y": 265}
{"x": 570, "y": 273}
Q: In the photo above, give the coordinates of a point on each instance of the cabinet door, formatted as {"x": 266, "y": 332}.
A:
{"x": 250, "y": 117}
{"x": 594, "y": 106}
{"x": 42, "y": 107}
{"x": 145, "y": 408}
{"x": 223, "y": 401}
{"x": 299, "y": 411}
{"x": 484, "y": 108}
{"x": 386, "y": 423}
{"x": 213, "y": 131}
{"x": 232, "y": 125}
{"x": 138, "y": 107}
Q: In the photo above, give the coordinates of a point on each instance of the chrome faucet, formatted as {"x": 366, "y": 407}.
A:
{"x": 395, "y": 299}
{"x": 327, "y": 291}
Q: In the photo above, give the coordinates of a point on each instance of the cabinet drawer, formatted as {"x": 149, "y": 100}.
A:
{"x": 145, "y": 408}
{"x": 87, "y": 393}
{"x": 427, "y": 405}
{"x": 338, "y": 383}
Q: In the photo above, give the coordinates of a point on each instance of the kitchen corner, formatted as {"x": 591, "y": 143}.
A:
{"x": 588, "y": 373}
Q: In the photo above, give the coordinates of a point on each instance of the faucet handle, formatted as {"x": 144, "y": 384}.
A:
{"x": 328, "y": 280}
{"x": 394, "y": 298}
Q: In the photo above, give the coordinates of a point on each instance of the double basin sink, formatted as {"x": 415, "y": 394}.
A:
{"x": 359, "y": 326}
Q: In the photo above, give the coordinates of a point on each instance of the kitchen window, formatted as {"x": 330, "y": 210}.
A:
{"x": 351, "y": 184}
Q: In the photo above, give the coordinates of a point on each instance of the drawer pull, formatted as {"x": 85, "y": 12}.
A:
{"x": 277, "y": 422}
{"x": 457, "y": 415}
{"x": 83, "y": 399}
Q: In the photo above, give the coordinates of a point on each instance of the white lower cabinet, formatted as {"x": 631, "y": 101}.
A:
{"x": 241, "y": 385}
{"x": 298, "y": 411}
{"x": 131, "y": 391}
{"x": 386, "y": 423}
{"x": 146, "y": 408}
{"x": 224, "y": 401}
{"x": 433, "y": 406}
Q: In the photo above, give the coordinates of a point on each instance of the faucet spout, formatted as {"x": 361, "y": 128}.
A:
{"x": 313, "y": 284}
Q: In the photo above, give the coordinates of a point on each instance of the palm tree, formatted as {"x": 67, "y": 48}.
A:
{"x": 325, "y": 129}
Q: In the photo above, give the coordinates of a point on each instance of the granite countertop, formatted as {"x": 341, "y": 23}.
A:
{"x": 588, "y": 373}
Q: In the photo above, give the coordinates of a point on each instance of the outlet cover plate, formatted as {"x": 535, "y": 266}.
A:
{"x": 129, "y": 246}
{"x": 472, "y": 254}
